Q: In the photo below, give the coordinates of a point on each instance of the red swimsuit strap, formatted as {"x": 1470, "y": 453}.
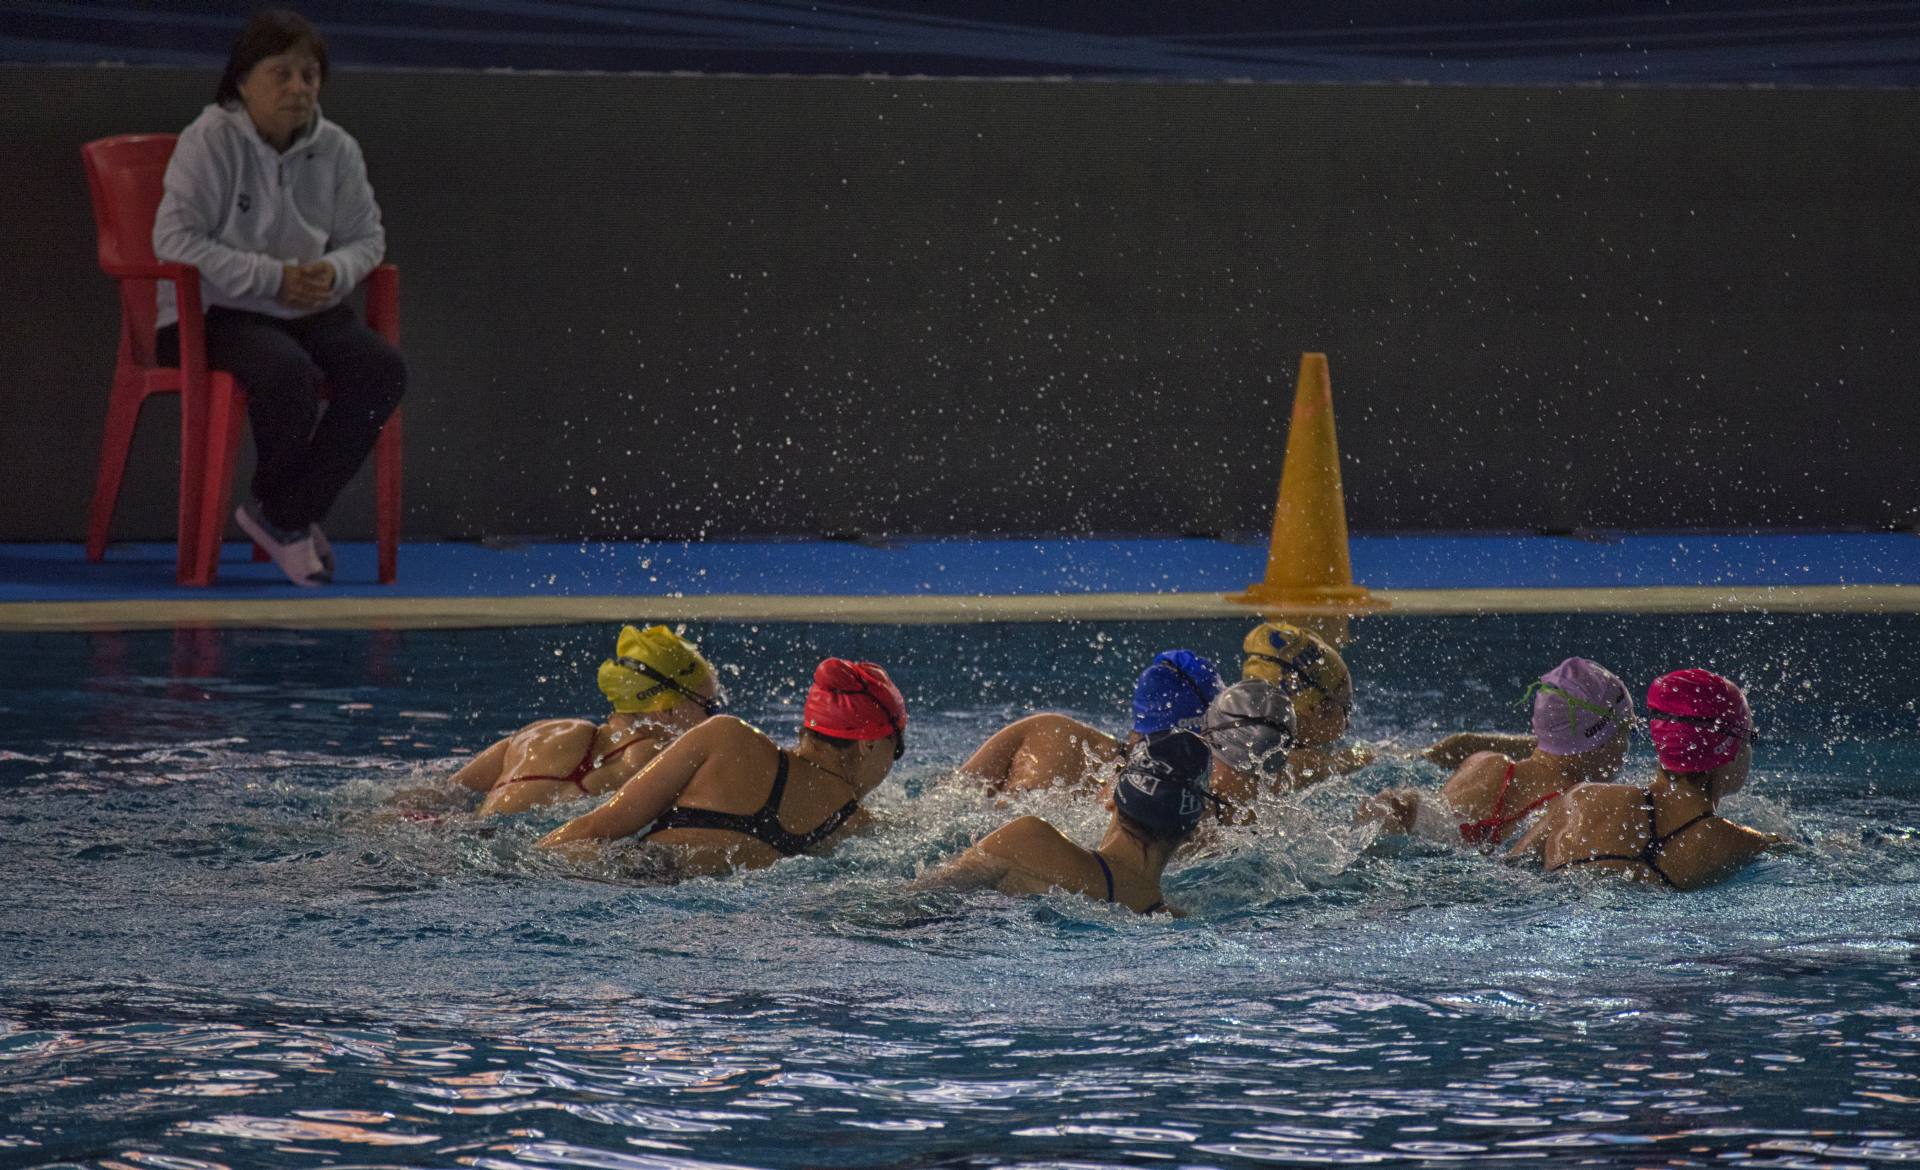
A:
{"x": 577, "y": 777}
{"x": 588, "y": 764}
{"x": 613, "y": 753}
{"x": 1489, "y": 829}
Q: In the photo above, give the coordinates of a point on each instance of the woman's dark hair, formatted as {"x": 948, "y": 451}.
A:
{"x": 1148, "y": 835}
{"x": 832, "y": 741}
{"x": 269, "y": 32}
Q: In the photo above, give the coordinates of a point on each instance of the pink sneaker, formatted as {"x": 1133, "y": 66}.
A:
{"x": 294, "y": 553}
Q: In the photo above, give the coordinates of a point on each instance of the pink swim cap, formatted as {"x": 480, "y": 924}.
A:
{"x": 1578, "y": 706}
{"x": 1697, "y": 720}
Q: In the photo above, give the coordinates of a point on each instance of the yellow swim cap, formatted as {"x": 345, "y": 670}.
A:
{"x": 1296, "y": 660}
{"x": 654, "y": 668}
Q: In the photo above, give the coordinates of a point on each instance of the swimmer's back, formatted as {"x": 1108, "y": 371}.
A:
{"x": 736, "y": 779}
{"x": 1614, "y": 827}
{"x": 562, "y": 759}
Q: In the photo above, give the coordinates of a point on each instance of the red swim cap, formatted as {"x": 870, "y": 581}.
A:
{"x": 854, "y": 700}
{"x": 1697, "y": 720}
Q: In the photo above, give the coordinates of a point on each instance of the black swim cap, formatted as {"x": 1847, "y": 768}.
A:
{"x": 1163, "y": 786}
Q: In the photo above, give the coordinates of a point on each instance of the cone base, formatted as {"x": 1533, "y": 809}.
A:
{"x": 1311, "y": 598}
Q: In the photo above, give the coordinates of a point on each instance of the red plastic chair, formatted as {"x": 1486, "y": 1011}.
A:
{"x": 124, "y": 175}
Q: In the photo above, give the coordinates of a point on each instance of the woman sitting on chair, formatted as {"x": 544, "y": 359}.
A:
{"x": 270, "y": 201}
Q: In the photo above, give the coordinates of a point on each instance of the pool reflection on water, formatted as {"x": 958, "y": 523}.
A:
{"x": 218, "y": 952}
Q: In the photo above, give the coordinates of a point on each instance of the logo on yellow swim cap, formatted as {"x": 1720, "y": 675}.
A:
{"x": 1296, "y": 660}
{"x": 654, "y": 668}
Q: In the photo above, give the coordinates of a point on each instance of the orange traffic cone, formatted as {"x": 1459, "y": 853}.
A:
{"x": 1307, "y": 562}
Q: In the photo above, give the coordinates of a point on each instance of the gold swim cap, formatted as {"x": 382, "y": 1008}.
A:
{"x": 1296, "y": 660}
{"x": 653, "y": 669}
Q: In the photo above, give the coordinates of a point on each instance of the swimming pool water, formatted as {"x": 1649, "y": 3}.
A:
{"x": 217, "y": 949}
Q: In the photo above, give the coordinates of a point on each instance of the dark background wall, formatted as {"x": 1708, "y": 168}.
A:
{"x": 1488, "y": 42}
{"x": 705, "y": 306}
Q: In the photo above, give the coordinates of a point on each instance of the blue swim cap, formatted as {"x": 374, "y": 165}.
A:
{"x": 1163, "y": 787}
{"x": 1173, "y": 692}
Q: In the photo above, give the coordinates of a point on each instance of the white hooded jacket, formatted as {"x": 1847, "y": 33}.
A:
{"x": 238, "y": 210}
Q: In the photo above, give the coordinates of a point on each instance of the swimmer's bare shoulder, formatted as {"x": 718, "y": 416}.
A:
{"x": 1476, "y": 782}
{"x": 1024, "y": 856}
{"x": 1039, "y": 751}
{"x": 1712, "y": 851}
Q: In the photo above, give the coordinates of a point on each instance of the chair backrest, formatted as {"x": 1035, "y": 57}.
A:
{"x": 125, "y": 176}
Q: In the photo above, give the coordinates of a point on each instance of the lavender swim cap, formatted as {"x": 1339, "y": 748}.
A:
{"x": 1578, "y": 706}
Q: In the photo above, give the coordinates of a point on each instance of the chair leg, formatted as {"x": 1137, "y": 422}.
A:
{"x": 123, "y": 414}
{"x": 225, "y": 410}
{"x": 195, "y": 405}
{"x": 386, "y": 472}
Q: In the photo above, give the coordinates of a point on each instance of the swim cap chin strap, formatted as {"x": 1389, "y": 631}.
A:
{"x": 1302, "y": 671}
{"x": 711, "y": 704}
{"x": 1575, "y": 704}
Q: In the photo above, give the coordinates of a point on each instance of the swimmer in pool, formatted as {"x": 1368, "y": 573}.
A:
{"x": 1049, "y": 749}
{"x": 659, "y": 686}
{"x": 725, "y": 796}
{"x": 1667, "y": 832}
{"x": 1311, "y": 671}
{"x": 1249, "y": 728}
{"x": 1582, "y": 719}
{"x": 1158, "y": 800}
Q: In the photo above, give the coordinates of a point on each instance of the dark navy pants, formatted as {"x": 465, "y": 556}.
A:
{"x": 302, "y": 467}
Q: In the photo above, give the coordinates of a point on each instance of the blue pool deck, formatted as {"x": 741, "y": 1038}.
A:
{"x": 926, "y": 578}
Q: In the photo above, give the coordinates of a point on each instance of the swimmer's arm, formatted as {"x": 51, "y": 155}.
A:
{"x": 1393, "y": 810}
{"x": 478, "y": 774}
{"x": 993, "y": 859}
{"x": 1408, "y": 811}
{"x": 1453, "y": 751}
{"x": 482, "y": 772}
{"x": 1531, "y": 842}
{"x": 642, "y": 799}
{"x": 859, "y": 821}
{"x": 1755, "y": 842}
{"x": 973, "y": 870}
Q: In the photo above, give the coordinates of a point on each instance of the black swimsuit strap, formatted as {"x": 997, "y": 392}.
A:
{"x": 763, "y": 825}
{"x": 1649, "y": 855}
{"x": 1107, "y": 871}
{"x": 1657, "y": 841}
{"x": 777, "y": 791}
{"x": 1660, "y": 839}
